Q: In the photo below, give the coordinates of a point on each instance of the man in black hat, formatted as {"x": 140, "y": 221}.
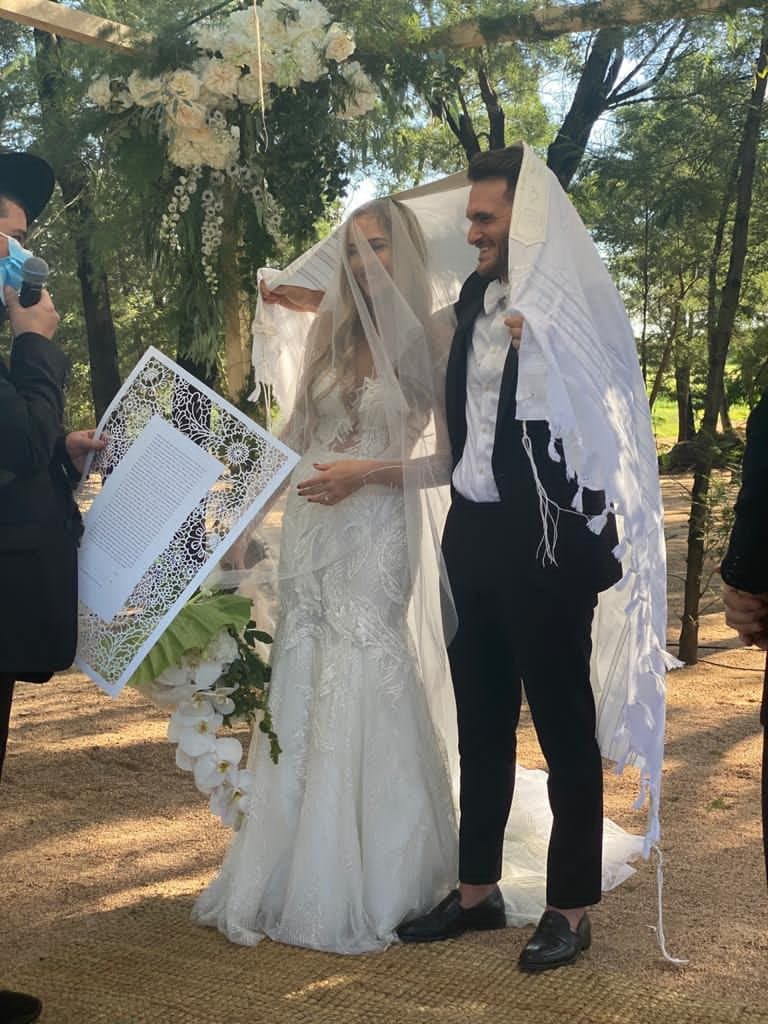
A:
{"x": 39, "y": 521}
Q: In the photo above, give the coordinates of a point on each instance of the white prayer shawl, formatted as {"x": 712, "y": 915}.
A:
{"x": 578, "y": 346}
{"x": 599, "y": 409}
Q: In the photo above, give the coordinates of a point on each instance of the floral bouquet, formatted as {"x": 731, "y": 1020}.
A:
{"x": 209, "y": 668}
{"x": 239, "y": 63}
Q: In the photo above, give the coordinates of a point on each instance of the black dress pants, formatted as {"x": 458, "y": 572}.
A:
{"x": 511, "y": 633}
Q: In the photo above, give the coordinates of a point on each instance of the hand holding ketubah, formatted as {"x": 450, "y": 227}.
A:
{"x": 80, "y": 443}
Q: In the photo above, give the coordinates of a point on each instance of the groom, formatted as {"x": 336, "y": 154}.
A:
{"x": 523, "y": 619}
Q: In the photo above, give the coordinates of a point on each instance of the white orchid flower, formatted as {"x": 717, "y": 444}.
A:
{"x": 193, "y": 726}
{"x": 175, "y": 675}
{"x": 221, "y": 701}
{"x": 198, "y": 706}
{"x": 218, "y": 766}
{"x": 222, "y": 648}
{"x": 206, "y": 674}
{"x": 231, "y": 802}
{"x": 172, "y": 696}
{"x": 184, "y": 761}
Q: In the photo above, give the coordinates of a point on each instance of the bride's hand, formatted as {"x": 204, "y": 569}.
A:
{"x": 300, "y": 300}
{"x": 335, "y": 480}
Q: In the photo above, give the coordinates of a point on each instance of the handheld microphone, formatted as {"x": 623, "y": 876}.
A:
{"x": 34, "y": 274}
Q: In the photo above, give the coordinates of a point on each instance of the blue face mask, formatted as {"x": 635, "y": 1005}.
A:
{"x": 10, "y": 265}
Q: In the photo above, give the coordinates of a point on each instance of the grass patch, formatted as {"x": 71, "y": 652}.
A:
{"x": 665, "y": 419}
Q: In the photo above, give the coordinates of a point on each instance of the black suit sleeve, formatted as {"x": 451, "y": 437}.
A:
{"x": 745, "y": 565}
{"x": 31, "y": 405}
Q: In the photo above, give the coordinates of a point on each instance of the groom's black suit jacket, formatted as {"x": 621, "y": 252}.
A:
{"x": 584, "y": 559}
{"x": 39, "y": 522}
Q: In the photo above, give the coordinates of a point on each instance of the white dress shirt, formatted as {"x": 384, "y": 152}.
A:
{"x": 487, "y": 354}
{"x": 488, "y": 349}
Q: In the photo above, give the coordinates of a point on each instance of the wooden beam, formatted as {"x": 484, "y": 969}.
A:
{"x": 561, "y": 19}
{"x": 77, "y": 25}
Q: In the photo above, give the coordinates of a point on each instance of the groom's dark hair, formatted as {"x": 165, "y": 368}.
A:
{"x": 497, "y": 163}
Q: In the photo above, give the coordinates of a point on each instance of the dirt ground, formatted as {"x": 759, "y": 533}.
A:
{"x": 96, "y": 820}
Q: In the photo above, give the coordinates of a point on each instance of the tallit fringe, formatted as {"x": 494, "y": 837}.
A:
{"x": 549, "y": 519}
{"x": 658, "y": 928}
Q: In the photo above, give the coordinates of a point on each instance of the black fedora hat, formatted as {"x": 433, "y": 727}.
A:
{"x": 27, "y": 178}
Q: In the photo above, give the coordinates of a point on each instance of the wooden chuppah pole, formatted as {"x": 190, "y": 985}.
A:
{"x": 71, "y": 24}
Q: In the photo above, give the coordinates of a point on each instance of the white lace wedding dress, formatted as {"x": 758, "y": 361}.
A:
{"x": 355, "y": 828}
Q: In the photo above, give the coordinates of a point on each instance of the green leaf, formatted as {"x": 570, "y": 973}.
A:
{"x": 194, "y": 627}
{"x": 253, "y": 635}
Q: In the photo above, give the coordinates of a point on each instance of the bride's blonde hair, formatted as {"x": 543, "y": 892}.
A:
{"x": 339, "y": 333}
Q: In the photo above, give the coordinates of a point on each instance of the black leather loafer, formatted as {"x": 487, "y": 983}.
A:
{"x": 553, "y": 944}
{"x": 449, "y": 919}
{"x": 19, "y": 1008}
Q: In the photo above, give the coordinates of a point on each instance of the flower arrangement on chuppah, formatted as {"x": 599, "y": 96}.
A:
{"x": 205, "y": 113}
{"x": 209, "y": 669}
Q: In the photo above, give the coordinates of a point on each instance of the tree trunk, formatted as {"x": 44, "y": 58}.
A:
{"x": 646, "y": 292}
{"x": 725, "y": 416}
{"x": 669, "y": 348}
{"x": 72, "y": 176}
{"x": 496, "y": 119}
{"x": 718, "y": 341}
{"x": 94, "y": 289}
{"x": 589, "y": 102}
{"x": 235, "y": 309}
{"x": 685, "y": 423}
{"x": 658, "y": 380}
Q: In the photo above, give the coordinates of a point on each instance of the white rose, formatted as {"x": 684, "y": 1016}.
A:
{"x": 236, "y": 45}
{"x": 308, "y": 60}
{"x": 365, "y": 94}
{"x": 186, "y": 115}
{"x": 242, "y": 22}
{"x": 219, "y": 151}
{"x": 354, "y": 74}
{"x": 183, "y": 153}
{"x": 185, "y": 85}
{"x": 221, "y": 78}
{"x": 273, "y": 31}
{"x": 339, "y": 44}
{"x": 99, "y": 91}
{"x": 361, "y": 104}
{"x": 144, "y": 92}
{"x": 313, "y": 16}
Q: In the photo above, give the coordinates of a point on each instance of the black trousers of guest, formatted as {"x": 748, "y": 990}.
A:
{"x": 511, "y": 633}
{"x": 6, "y": 699}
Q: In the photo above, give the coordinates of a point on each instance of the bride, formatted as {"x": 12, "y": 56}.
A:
{"x": 354, "y": 830}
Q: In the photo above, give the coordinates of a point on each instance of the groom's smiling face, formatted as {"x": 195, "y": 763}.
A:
{"x": 489, "y": 212}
